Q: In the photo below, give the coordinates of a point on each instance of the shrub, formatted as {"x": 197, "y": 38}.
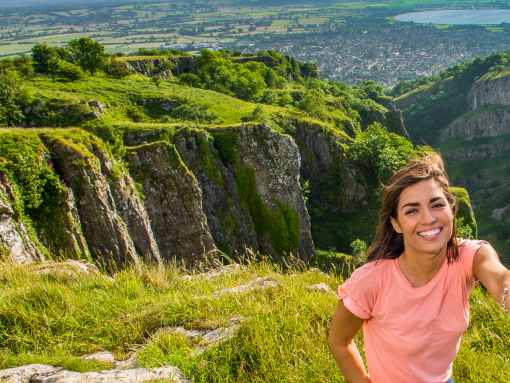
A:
{"x": 190, "y": 79}
{"x": 71, "y": 71}
{"x": 117, "y": 69}
{"x": 194, "y": 112}
{"x": 135, "y": 114}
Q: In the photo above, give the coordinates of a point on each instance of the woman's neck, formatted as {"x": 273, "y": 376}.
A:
{"x": 419, "y": 268}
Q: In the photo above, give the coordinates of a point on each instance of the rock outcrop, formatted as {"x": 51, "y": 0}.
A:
{"x": 148, "y": 67}
{"x": 495, "y": 91}
{"x": 40, "y": 373}
{"x": 106, "y": 233}
{"x": 229, "y": 223}
{"x": 15, "y": 242}
{"x": 324, "y": 164}
{"x": 485, "y": 121}
{"x": 173, "y": 201}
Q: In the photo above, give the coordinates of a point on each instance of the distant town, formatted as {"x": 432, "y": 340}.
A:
{"x": 386, "y": 55}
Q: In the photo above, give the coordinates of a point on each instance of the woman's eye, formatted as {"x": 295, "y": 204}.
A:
{"x": 439, "y": 205}
{"x": 411, "y": 211}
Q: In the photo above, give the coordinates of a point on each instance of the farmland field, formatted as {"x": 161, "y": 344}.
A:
{"x": 127, "y": 28}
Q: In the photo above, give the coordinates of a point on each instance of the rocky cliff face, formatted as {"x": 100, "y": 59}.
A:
{"x": 324, "y": 165}
{"x": 494, "y": 91}
{"x": 173, "y": 201}
{"x": 149, "y": 67}
{"x": 485, "y": 121}
{"x": 15, "y": 242}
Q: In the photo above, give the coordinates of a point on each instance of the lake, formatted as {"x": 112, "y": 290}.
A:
{"x": 458, "y": 17}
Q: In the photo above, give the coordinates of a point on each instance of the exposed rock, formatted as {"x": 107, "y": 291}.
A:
{"x": 15, "y": 243}
{"x": 324, "y": 164}
{"x": 479, "y": 152}
{"x": 95, "y": 103}
{"x": 494, "y": 91}
{"x": 27, "y": 109}
{"x": 485, "y": 121}
{"x": 173, "y": 202}
{"x": 41, "y": 105}
{"x": 321, "y": 287}
{"x": 315, "y": 270}
{"x": 106, "y": 234}
{"x": 276, "y": 162}
{"x": 100, "y": 356}
{"x": 68, "y": 268}
{"x": 130, "y": 207}
{"x": 218, "y": 272}
{"x": 107, "y": 357}
{"x": 71, "y": 239}
{"x": 24, "y": 374}
{"x": 256, "y": 284}
{"x": 39, "y": 373}
{"x": 206, "y": 338}
{"x": 497, "y": 213}
{"x": 230, "y": 225}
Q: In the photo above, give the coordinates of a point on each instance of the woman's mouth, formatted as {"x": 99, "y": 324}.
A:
{"x": 430, "y": 234}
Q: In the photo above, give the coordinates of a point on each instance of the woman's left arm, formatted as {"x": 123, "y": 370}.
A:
{"x": 493, "y": 275}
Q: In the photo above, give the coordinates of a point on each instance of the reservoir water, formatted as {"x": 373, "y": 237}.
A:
{"x": 458, "y": 17}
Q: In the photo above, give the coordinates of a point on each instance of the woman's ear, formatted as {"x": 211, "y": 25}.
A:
{"x": 395, "y": 225}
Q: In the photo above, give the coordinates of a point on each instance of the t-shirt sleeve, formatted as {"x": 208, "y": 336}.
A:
{"x": 359, "y": 292}
{"x": 467, "y": 252}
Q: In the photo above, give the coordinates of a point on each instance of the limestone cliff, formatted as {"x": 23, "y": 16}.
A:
{"x": 485, "y": 121}
{"x": 490, "y": 92}
{"x": 174, "y": 203}
{"x": 15, "y": 242}
{"x": 324, "y": 165}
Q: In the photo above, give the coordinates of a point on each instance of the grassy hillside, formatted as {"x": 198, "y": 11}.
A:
{"x": 55, "y": 318}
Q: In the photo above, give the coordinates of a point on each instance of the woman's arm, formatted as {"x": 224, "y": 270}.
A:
{"x": 344, "y": 327}
{"x": 493, "y": 275}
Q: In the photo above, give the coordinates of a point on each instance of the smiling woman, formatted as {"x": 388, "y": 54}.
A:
{"x": 411, "y": 297}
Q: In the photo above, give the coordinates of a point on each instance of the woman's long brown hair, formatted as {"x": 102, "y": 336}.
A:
{"x": 388, "y": 244}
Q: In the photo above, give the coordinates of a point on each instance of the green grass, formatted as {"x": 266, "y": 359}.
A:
{"x": 56, "y": 318}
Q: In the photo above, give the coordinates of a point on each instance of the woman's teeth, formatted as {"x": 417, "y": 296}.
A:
{"x": 429, "y": 233}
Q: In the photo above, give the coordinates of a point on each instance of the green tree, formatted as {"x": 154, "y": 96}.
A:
{"x": 71, "y": 71}
{"x": 89, "y": 54}
{"x": 313, "y": 103}
{"x": 358, "y": 252}
{"x": 157, "y": 80}
{"x": 9, "y": 103}
{"x": 117, "y": 69}
{"x": 164, "y": 66}
{"x": 190, "y": 79}
{"x": 381, "y": 152}
{"x": 46, "y": 60}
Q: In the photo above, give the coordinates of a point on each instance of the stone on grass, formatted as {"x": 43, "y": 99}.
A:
{"x": 256, "y": 284}
{"x": 321, "y": 287}
{"x": 39, "y": 373}
{"x": 100, "y": 356}
{"x": 222, "y": 270}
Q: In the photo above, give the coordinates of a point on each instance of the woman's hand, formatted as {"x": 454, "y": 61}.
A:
{"x": 344, "y": 327}
{"x": 493, "y": 275}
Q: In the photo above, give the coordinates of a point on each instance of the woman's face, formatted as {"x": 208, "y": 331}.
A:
{"x": 425, "y": 217}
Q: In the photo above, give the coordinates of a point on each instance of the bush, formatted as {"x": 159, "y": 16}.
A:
{"x": 358, "y": 252}
{"x": 190, "y": 79}
{"x": 194, "y": 112}
{"x": 71, "y": 71}
{"x": 117, "y": 70}
{"x": 135, "y": 114}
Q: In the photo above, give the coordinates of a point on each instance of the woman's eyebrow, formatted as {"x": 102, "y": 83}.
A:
{"x": 432, "y": 200}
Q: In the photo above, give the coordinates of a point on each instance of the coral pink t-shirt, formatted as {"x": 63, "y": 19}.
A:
{"x": 412, "y": 335}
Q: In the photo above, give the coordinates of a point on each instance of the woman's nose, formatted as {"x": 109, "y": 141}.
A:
{"x": 428, "y": 217}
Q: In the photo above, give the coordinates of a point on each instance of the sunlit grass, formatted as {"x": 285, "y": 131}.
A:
{"x": 54, "y": 319}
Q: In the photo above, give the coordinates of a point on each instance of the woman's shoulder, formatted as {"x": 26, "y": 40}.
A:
{"x": 373, "y": 269}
